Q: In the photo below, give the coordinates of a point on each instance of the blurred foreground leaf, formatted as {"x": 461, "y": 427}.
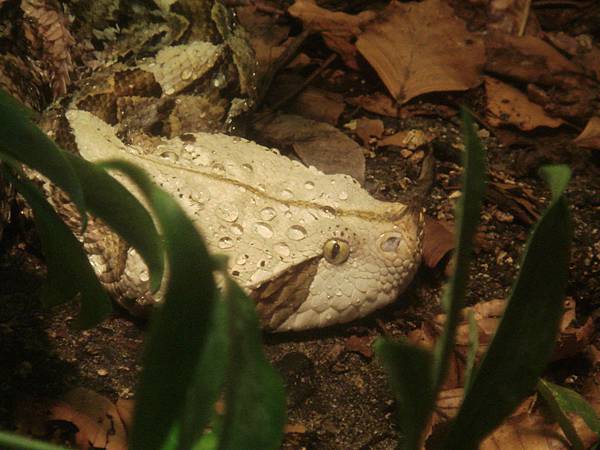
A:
{"x": 467, "y": 218}
{"x": 526, "y": 334}
{"x": 179, "y": 327}
{"x": 254, "y": 395}
{"x": 69, "y": 271}
{"x": 408, "y": 369}
{"x": 109, "y": 200}
{"x": 24, "y": 142}
{"x": 416, "y": 375}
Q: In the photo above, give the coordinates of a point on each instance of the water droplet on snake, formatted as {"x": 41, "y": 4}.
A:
{"x": 263, "y": 229}
{"x": 296, "y": 232}
{"x": 227, "y": 212}
{"x": 267, "y": 213}
{"x": 237, "y": 229}
{"x": 282, "y": 249}
{"x": 225, "y": 242}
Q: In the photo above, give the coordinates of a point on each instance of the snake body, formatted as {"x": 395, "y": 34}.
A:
{"x": 311, "y": 249}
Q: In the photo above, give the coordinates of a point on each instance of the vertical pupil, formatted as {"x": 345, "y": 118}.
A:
{"x": 335, "y": 250}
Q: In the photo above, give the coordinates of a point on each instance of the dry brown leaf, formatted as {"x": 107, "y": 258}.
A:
{"x": 360, "y": 344}
{"x": 96, "y": 417}
{"x": 267, "y": 36}
{"x": 378, "y": 103}
{"x": 438, "y": 240}
{"x": 337, "y": 28}
{"x": 410, "y": 139}
{"x": 526, "y": 429}
{"x": 367, "y": 129}
{"x": 125, "y": 408}
{"x": 318, "y": 104}
{"x": 590, "y": 136}
{"x": 317, "y": 144}
{"x": 572, "y": 339}
{"x": 507, "y": 16}
{"x": 507, "y": 105}
{"x": 526, "y": 58}
{"x": 417, "y": 48}
{"x": 581, "y": 49}
{"x": 516, "y": 198}
{"x": 294, "y": 428}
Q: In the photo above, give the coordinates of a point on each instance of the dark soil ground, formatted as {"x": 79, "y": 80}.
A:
{"x": 338, "y": 397}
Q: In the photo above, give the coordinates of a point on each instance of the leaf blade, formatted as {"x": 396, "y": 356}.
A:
{"x": 409, "y": 373}
{"x": 525, "y": 336}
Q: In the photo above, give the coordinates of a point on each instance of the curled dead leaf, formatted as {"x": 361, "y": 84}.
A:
{"x": 438, "y": 240}
{"x": 337, "y": 28}
{"x": 95, "y": 416}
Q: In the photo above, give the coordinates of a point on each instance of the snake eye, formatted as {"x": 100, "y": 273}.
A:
{"x": 336, "y": 251}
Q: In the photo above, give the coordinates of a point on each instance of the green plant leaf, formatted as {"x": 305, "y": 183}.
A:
{"x": 561, "y": 401}
{"x": 208, "y": 442}
{"x": 467, "y": 218}
{"x": 69, "y": 270}
{"x": 115, "y": 205}
{"x": 23, "y": 141}
{"x": 254, "y": 396}
{"x": 12, "y": 440}
{"x": 408, "y": 369}
{"x": 178, "y": 331}
{"x": 525, "y": 337}
{"x": 208, "y": 380}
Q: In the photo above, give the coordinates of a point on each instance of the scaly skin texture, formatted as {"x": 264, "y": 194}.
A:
{"x": 311, "y": 249}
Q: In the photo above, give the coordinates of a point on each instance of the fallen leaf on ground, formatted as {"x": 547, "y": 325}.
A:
{"x": 507, "y": 105}
{"x": 266, "y": 36}
{"x": 417, "y": 48}
{"x": 317, "y": 144}
{"x": 572, "y": 340}
{"x": 590, "y": 136}
{"x": 581, "y": 49}
{"x": 528, "y": 428}
{"x": 337, "y": 28}
{"x": 319, "y": 105}
{"x": 294, "y": 428}
{"x": 525, "y": 58}
{"x": 507, "y": 16}
{"x": 366, "y": 129}
{"x": 360, "y": 344}
{"x": 410, "y": 139}
{"x": 378, "y": 103}
{"x": 438, "y": 240}
{"x": 96, "y": 417}
{"x": 125, "y": 408}
{"x": 510, "y": 196}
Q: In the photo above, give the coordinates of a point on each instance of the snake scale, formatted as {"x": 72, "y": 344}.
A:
{"x": 311, "y": 249}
